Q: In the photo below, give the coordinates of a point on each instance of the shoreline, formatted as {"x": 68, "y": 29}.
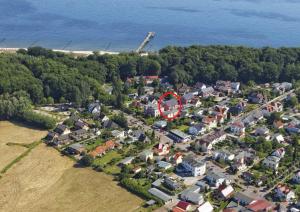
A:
{"x": 75, "y": 52}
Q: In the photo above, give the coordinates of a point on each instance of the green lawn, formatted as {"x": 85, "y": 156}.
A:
{"x": 107, "y": 158}
{"x": 183, "y": 128}
{"x": 91, "y": 145}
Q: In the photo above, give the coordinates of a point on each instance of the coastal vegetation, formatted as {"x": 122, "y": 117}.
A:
{"x": 42, "y": 76}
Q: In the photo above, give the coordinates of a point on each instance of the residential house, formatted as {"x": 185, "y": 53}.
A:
{"x": 160, "y": 124}
{"x": 284, "y": 193}
{"x": 196, "y": 102}
{"x": 152, "y": 110}
{"x": 257, "y": 98}
{"x": 224, "y": 192}
{"x": 278, "y": 124}
{"x": 192, "y": 195}
{"x": 146, "y": 155}
{"x": 62, "y": 140}
{"x": 272, "y": 107}
{"x": 207, "y": 92}
{"x": 194, "y": 166}
{"x": 210, "y": 122}
{"x": 296, "y": 178}
{"x": 160, "y": 195}
{"x": 280, "y": 88}
{"x": 260, "y": 205}
{"x": 187, "y": 98}
{"x": 177, "y": 158}
{"x": 279, "y": 153}
{"x": 238, "y": 128}
{"x": 199, "y": 86}
{"x": 243, "y": 199}
{"x": 223, "y": 155}
{"x": 197, "y": 129}
{"x": 162, "y": 149}
{"x": 62, "y": 129}
{"x": 164, "y": 165}
{"x": 171, "y": 183}
{"x": 118, "y": 134}
{"x": 263, "y": 132}
{"x": 271, "y": 162}
{"x": 81, "y": 125}
{"x": 103, "y": 149}
{"x": 94, "y": 108}
{"x": 109, "y": 124}
{"x": 238, "y": 109}
{"x": 79, "y": 135}
{"x": 185, "y": 206}
{"x": 248, "y": 177}
{"x": 227, "y": 87}
{"x": 293, "y": 128}
{"x": 206, "y": 207}
{"x": 138, "y": 135}
{"x": 170, "y": 105}
{"x": 136, "y": 169}
{"x": 127, "y": 161}
{"x": 182, "y": 89}
{"x": 148, "y": 90}
{"x": 206, "y": 143}
{"x": 216, "y": 179}
{"x": 278, "y": 138}
{"x": 149, "y": 79}
{"x": 179, "y": 136}
{"x": 75, "y": 149}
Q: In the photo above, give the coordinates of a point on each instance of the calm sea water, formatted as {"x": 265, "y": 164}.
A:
{"x": 122, "y": 24}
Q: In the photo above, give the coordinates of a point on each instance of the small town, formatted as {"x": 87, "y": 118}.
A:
{"x": 226, "y": 146}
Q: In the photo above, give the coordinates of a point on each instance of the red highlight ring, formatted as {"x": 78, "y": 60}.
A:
{"x": 177, "y": 97}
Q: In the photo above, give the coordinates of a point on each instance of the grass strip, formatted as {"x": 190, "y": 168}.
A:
{"x": 16, "y": 160}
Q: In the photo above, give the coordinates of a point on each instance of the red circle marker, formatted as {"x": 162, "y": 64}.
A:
{"x": 177, "y": 97}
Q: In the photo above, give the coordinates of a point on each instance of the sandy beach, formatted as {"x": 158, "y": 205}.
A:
{"x": 81, "y": 53}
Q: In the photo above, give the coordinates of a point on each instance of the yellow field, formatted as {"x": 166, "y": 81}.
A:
{"x": 46, "y": 181}
{"x": 15, "y": 133}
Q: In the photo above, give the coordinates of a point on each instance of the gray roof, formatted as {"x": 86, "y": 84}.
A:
{"x": 159, "y": 194}
{"x": 76, "y": 146}
{"x": 192, "y": 195}
{"x": 179, "y": 133}
{"x": 243, "y": 198}
{"x": 192, "y": 161}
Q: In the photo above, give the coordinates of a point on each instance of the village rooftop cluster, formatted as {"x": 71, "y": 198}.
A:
{"x": 233, "y": 147}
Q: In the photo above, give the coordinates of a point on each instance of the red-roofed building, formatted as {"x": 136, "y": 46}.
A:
{"x": 101, "y": 150}
{"x": 184, "y": 205}
{"x": 177, "y": 158}
{"x": 162, "y": 149}
{"x": 260, "y": 205}
{"x": 176, "y": 209}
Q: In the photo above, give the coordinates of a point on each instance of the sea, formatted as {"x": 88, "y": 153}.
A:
{"x": 121, "y": 25}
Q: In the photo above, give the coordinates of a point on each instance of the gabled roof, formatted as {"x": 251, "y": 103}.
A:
{"x": 183, "y": 205}
{"x": 260, "y": 205}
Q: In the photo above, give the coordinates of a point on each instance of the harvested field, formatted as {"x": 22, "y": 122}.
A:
{"x": 46, "y": 181}
{"x": 15, "y": 133}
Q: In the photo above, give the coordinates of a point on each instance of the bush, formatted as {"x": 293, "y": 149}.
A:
{"x": 38, "y": 120}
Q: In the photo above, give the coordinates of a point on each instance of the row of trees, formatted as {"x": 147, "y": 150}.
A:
{"x": 17, "y": 106}
{"x": 49, "y": 76}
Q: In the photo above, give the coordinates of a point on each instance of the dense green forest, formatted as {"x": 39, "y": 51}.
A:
{"x": 48, "y": 76}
